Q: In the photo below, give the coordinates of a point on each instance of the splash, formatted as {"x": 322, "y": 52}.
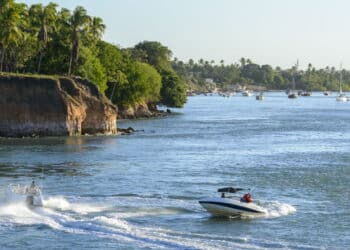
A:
{"x": 276, "y": 209}
{"x": 19, "y": 213}
{"x": 60, "y": 203}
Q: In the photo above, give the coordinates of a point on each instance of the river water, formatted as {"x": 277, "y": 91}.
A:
{"x": 142, "y": 191}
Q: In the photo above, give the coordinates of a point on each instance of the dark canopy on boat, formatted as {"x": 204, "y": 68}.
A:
{"x": 229, "y": 190}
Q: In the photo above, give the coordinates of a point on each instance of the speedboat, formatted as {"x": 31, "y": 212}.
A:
{"x": 30, "y": 194}
{"x": 231, "y": 205}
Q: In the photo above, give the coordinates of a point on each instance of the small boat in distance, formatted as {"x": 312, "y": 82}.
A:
{"x": 341, "y": 97}
{"x": 246, "y": 93}
{"x": 260, "y": 97}
{"x": 231, "y": 205}
{"x": 327, "y": 93}
{"x": 306, "y": 93}
{"x": 292, "y": 94}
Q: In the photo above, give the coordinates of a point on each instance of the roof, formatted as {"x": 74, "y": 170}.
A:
{"x": 229, "y": 190}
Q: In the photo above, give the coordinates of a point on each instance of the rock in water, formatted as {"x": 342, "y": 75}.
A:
{"x": 49, "y": 106}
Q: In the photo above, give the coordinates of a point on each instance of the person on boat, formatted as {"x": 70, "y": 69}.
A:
{"x": 222, "y": 195}
{"x": 31, "y": 192}
{"x": 33, "y": 187}
{"x": 247, "y": 198}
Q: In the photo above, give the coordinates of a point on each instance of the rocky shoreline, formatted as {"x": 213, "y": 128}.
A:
{"x": 141, "y": 111}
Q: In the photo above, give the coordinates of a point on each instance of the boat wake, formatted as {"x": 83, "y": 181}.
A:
{"x": 103, "y": 221}
{"x": 60, "y": 203}
{"x": 79, "y": 218}
{"x": 272, "y": 209}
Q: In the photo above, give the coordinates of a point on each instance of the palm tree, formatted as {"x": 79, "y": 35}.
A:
{"x": 78, "y": 22}
{"x": 10, "y": 19}
{"x": 96, "y": 28}
{"x": 242, "y": 61}
{"x": 43, "y": 17}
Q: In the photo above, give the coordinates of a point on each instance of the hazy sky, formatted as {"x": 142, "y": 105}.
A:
{"x": 276, "y": 32}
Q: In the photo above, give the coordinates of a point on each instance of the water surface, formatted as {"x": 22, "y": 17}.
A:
{"x": 141, "y": 191}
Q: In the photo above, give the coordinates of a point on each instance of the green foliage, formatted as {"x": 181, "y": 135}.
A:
{"x": 173, "y": 90}
{"x": 11, "y": 15}
{"x": 42, "y": 21}
{"x": 78, "y": 23}
{"x": 247, "y": 72}
{"x": 153, "y": 53}
{"x": 91, "y": 69}
{"x": 140, "y": 83}
{"x": 112, "y": 59}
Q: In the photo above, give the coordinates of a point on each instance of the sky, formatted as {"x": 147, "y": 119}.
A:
{"x": 275, "y": 32}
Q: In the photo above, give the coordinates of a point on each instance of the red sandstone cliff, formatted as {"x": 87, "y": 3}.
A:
{"x": 49, "y": 106}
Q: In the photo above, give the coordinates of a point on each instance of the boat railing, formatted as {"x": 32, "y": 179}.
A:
{"x": 24, "y": 190}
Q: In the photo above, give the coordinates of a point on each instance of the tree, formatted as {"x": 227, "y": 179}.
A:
{"x": 91, "y": 68}
{"x": 78, "y": 22}
{"x": 112, "y": 59}
{"x": 191, "y": 63}
{"x": 267, "y": 74}
{"x": 10, "y": 19}
{"x": 43, "y": 17}
{"x": 95, "y": 30}
{"x": 157, "y": 55}
{"x": 142, "y": 84}
{"x": 242, "y": 61}
{"x": 173, "y": 91}
{"x": 58, "y": 49}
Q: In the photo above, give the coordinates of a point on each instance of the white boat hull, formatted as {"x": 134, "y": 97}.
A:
{"x": 230, "y": 207}
{"x": 246, "y": 93}
{"x": 342, "y": 98}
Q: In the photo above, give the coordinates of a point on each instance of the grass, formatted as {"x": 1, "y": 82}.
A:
{"x": 36, "y": 76}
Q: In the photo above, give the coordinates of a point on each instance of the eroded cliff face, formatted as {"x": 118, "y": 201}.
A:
{"x": 53, "y": 107}
{"x": 140, "y": 110}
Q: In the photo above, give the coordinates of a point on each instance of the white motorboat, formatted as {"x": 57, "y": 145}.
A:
{"x": 31, "y": 194}
{"x": 246, "y": 93}
{"x": 231, "y": 205}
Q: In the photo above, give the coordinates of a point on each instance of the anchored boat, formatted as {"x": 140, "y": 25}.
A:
{"x": 231, "y": 205}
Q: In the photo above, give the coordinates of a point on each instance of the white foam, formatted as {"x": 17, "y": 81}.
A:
{"x": 20, "y": 213}
{"x": 59, "y": 202}
{"x": 150, "y": 212}
{"x": 166, "y": 238}
{"x": 276, "y": 209}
